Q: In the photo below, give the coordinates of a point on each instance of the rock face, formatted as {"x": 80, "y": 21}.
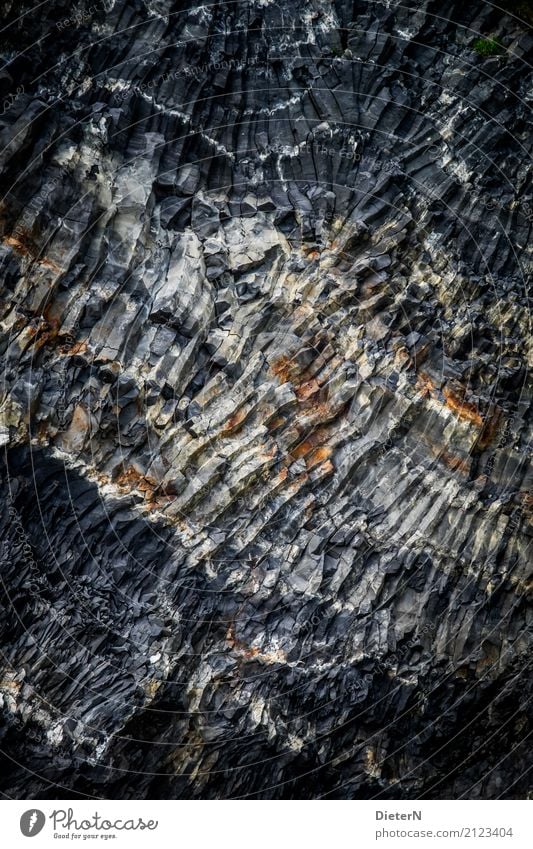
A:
{"x": 265, "y": 408}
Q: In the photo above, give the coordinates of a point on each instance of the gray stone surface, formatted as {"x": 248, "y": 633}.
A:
{"x": 265, "y": 404}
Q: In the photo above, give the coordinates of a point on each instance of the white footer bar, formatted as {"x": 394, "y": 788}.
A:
{"x": 267, "y": 824}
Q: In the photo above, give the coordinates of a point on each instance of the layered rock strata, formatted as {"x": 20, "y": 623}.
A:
{"x": 265, "y": 404}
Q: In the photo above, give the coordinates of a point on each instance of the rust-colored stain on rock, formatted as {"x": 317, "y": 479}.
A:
{"x": 24, "y": 245}
{"x": 464, "y": 409}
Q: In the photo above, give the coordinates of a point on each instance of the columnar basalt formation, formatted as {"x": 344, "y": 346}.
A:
{"x": 265, "y": 404}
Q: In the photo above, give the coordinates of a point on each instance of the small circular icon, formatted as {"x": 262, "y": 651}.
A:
{"x": 32, "y": 822}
